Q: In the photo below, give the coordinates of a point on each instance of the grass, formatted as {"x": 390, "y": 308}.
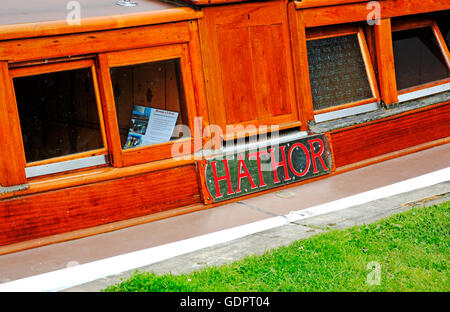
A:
{"x": 408, "y": 252}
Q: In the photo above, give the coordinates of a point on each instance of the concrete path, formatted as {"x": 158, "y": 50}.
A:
{"x": 230, "y": 232}
{"x": 284, "y": 235}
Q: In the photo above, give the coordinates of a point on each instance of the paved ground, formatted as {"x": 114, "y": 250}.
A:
{"x": 284, "y": 235}
{"x": 57, "y": 257}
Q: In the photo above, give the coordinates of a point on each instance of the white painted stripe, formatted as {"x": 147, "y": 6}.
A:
{"x": 346, "y": 112}
{"x": 72, "y": 276}
{"x": 67, "y": 165}
{"x": 423, "y": 92}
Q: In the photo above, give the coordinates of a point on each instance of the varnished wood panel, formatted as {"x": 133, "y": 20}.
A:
{"x": 239, "y": 97}
{"x": 354, "y": 12}
{"x": 386, "y": 136}
{"x": 65, "y": 210}
{"x": 12, "y": 155}
{"x": 26, "y": 29}
{"x": 86, "y": 43}
{"x": 248, "y": 64}
{"x": 300, "y": 64}
{"x": 385, "y": 61}
{"x": 272, "y": 99}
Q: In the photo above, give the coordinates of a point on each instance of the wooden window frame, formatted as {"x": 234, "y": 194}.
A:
{"x": 42, "y": 165}
{"x": 344, "y": 30}
{"x": 161, "y": 151}
{"x": 234, "y": 16}
{"x": 410, "y": 23}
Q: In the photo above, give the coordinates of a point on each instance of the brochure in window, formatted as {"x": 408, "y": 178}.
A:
{"x": 150, "y": 126}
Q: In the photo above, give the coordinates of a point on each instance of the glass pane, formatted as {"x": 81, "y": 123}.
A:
{"x": 337, "y": 71}
{"x": 418, "y": 58}
{"x": 58, "y": 114}
{"x": 149, "y": 102}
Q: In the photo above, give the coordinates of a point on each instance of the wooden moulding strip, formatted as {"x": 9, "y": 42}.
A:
{"x": 357, "y": 11}
{"x": 324, "y": 32}
{"x": 47, "y": 47}
{"x": 11, "y": 168}
{"x": 410, "y": 22}
{"x": 213, "y": 2}
{"x": 259, "y": 131}
{"x": 418, "y": 110}
{"x": 94, "y": 176}
{"x": 344, "y": 106}
{"x": 114, "y": 226}
{"x": 303, "y": 4}
{"x": 385, "y": 61}
{"x": 60, "y": 27}
{"x": 105, "y": 228}
{"x": 300, "y": 65}
{"x": 424, "y": 86}
{"x": 442, "y": 45}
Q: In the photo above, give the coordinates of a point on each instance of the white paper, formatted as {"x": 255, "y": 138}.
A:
{"x": 150, "y": 126}
{"x": 160, "y": 126}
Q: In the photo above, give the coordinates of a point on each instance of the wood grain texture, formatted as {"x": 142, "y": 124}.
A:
{"x": 109, "y": 111}
{"x": 12, "y": 154}
{"x": 365, "y": 52}
{"x": 93, "y": 42}
{"x": 248, "y": 64}
{"x": 198, "y": 78}
{"x": 300, "y": 65}
{"x": 390, "y": 135}
{"x": 442, "y": 45}
{"x": 212, "y": 2}
{"x": 109, "y": 227}
{"x": 303, "y": 4}
{"x": 385, "y": 62}
{"x": 28, "y": 217}
{"x": 89, "y": 24}
{"x": 355, "y": 12}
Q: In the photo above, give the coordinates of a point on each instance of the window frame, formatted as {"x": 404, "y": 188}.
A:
{"x": 356, "y": 107}
{"x": 67, "y": 163}
{"x": 432, "y": 87}
{"x": 161, "y": 151}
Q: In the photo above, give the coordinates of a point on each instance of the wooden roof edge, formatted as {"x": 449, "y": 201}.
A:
{"x": 304, "y": 4}
{"x": 211, "y": 2}
{"x": 61, "y": 27}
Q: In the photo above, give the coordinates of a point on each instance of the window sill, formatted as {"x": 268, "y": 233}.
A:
{"x": 378, "y": 114}
{"x": 11, "y": 189}
{"x": 90, "y": 176}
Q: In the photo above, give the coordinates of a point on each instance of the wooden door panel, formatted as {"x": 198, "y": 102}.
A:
{"x": 237, "y": 74}
{"x": 248, "y": 66}
{"x": 269, "y": 62}
{"x": 249, "y": 15}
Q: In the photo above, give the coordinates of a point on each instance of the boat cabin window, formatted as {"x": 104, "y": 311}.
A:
{"x": 421, "y": 58}
{"x": 151, "y": 94}
{"x": 60, "y": 117}
{"x": 148, "y": 102}
{"x": 418, "y": 47}
{"x": 341, "y": 73}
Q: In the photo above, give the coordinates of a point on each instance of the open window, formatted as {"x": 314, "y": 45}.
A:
{"x": 422, "y": 59}
{"x": 60, "y": 117}
{"x": 148, "y": 91}
{"x": 341, "y": 73}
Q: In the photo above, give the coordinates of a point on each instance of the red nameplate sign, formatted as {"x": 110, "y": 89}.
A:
{"x": 228, "y": 176}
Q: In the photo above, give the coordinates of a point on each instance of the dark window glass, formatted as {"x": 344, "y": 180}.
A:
{"x": 337, "y": 71}
{"x": 58, "y": 114}
{"x": 149, "y": 102}
{"x": 418, "y": 58}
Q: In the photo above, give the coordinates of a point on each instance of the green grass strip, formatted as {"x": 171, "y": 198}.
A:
{"x": 406, "y": 252}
